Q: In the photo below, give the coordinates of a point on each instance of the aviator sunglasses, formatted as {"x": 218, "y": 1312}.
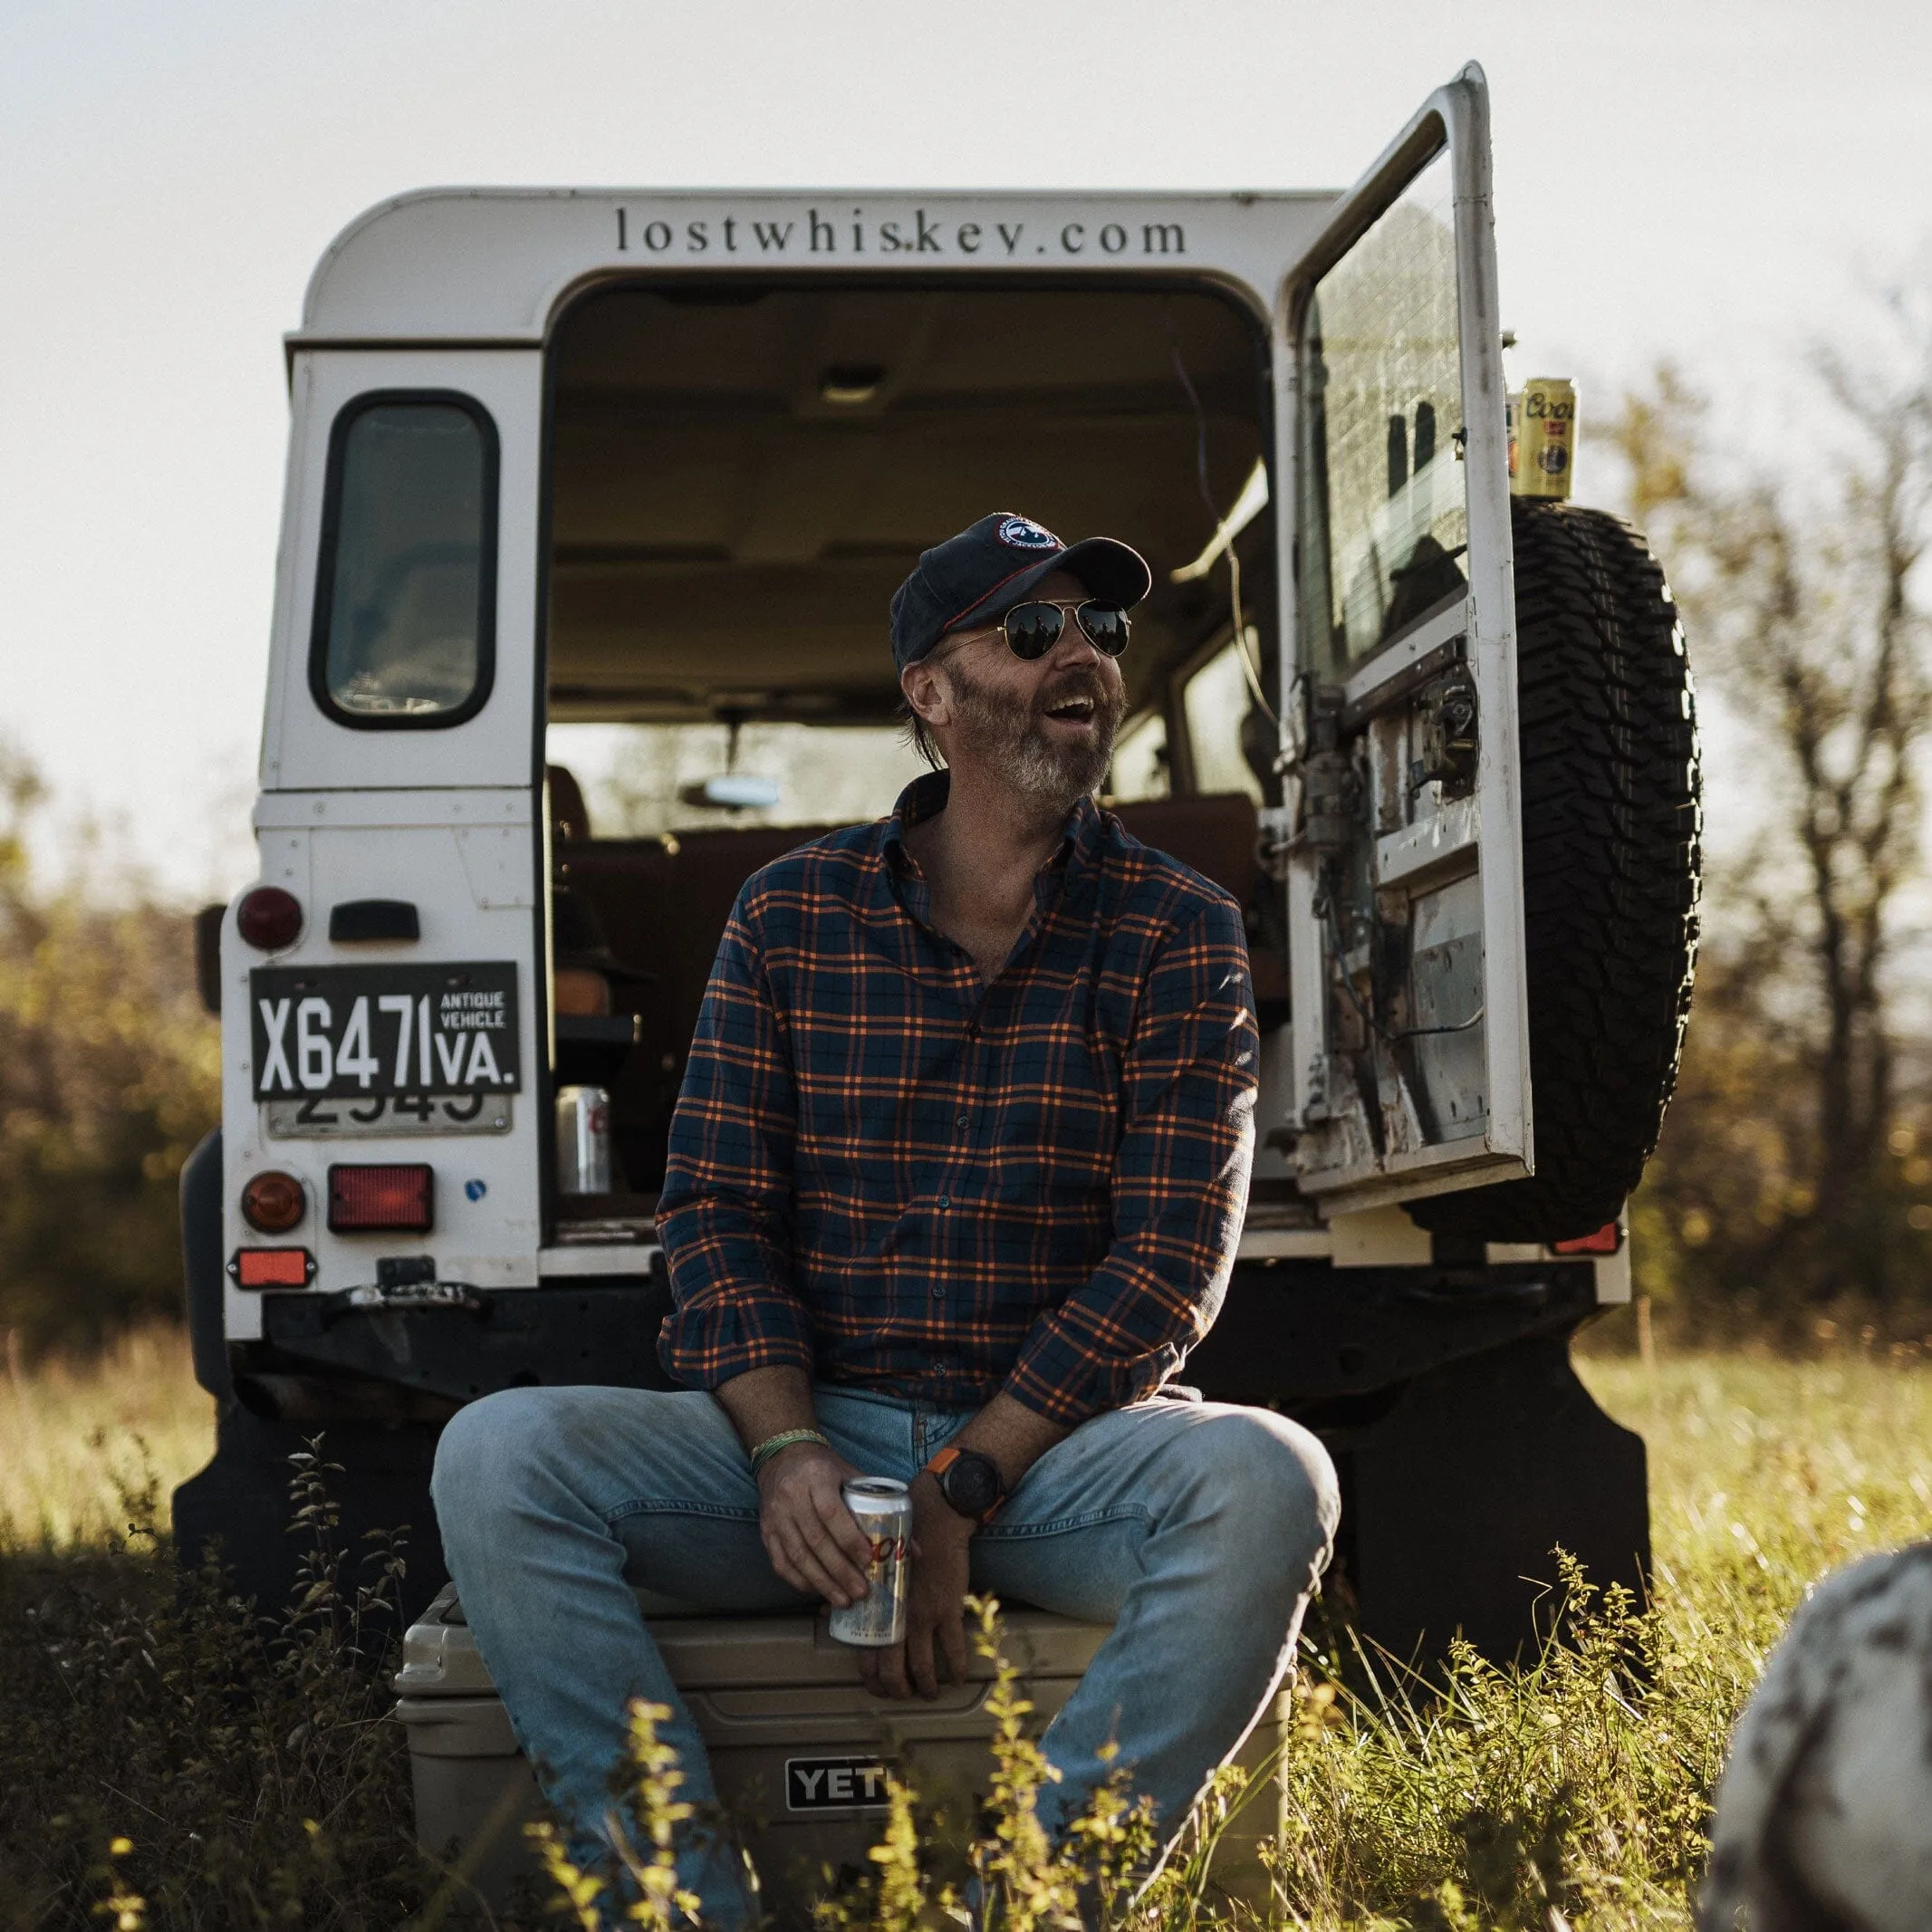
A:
{"x": 1034, "y": 628}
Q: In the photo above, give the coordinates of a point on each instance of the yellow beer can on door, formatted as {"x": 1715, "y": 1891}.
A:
{"x": 1544, "y": 439}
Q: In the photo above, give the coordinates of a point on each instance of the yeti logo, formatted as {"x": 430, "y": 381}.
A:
{"x": 1023, "y": 533}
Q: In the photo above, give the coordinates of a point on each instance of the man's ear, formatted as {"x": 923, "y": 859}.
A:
{"x": 925, "y": 689}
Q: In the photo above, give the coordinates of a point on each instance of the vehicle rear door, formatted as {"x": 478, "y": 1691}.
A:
{"x": 402, "y": 1028}
{"x": 1400, "y": 837}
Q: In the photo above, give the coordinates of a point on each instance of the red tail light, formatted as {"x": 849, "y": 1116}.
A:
{"x": 397, "y": 1198}
{"x": 269, "y": 918}
{"x": 272, "y": 1267}
{"x": 1607, "y": 1240}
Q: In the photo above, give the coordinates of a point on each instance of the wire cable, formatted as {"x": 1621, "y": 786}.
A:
{"x": 1250, "y": 669}
{"x": 1355, "y": 998}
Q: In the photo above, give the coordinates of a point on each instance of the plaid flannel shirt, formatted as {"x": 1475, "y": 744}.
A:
{"x": 890, "y": 1175}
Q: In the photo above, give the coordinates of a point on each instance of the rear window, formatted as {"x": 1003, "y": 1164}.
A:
{"x": 406, "y": 584}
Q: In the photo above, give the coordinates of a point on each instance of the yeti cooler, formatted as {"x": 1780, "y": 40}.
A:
{"x": 797, "y": 1744}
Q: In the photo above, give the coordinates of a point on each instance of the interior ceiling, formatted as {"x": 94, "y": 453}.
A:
{"x": 727, "y": 539}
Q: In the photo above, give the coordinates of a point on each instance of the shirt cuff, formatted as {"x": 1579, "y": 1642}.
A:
{"x": 705, "y": 1345}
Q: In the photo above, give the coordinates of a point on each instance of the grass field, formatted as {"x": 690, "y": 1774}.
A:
{"x": 74, "y": 1439}
{"x": 1581, "y": 1784}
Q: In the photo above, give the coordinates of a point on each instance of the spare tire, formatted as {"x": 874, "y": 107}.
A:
{"x": 1611, "y": 851}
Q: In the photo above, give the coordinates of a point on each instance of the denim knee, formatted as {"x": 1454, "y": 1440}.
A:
{"x": 488, "y": 1448}
{"x": 1275, "y": 1487}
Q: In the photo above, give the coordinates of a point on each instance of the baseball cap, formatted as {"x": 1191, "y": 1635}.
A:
{"x": 981, "y": 573}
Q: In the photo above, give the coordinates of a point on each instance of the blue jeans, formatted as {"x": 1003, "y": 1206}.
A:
{"x": 1199, "y": 1530}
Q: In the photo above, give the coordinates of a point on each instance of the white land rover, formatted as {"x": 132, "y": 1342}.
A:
{"x": 570, "y": 469}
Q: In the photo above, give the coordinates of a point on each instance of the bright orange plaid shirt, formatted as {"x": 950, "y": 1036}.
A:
{"x": 889, "y": 1175}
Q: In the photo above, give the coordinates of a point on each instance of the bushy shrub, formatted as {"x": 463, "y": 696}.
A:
{"x": 110, "y": 1073}
{"x": 170, "y": 1760}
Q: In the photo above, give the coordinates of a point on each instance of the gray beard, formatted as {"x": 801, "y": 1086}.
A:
{"x": 1015, "y": 744}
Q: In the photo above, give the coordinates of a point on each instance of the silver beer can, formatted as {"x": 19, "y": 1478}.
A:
{"x": 884, "y": 1512}
{"x": 583, "y": 1141}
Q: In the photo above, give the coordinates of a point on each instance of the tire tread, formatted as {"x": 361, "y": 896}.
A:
{"x": 1612, "y": 857}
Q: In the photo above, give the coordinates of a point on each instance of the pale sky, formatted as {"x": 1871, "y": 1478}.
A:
{"x": 1706, "y": 181}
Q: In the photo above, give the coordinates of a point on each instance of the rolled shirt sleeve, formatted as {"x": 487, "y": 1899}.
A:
{"x": 725, "y": 1210}
{"x": 1188, "y": 1085}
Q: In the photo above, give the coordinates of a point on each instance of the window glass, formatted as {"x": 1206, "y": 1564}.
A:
{"x": 408, "y": 589}
{"x": 1140, "y": 768}
{"x": 643, "y": 781}
{"x": 1384, "y": 510}
{"x": 1216, "y": 702}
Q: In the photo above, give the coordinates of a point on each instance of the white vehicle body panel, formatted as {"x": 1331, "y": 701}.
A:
{"x": 328, "y": 848}
{"x": 496, "y": 264}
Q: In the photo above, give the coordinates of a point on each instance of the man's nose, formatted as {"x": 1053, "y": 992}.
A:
{"x": 1071, "y": 645}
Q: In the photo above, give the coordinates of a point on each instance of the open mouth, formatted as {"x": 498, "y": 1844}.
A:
{"x": 1073, "y": 710}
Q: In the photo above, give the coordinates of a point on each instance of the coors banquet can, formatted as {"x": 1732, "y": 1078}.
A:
{"x": 1546, "y": 439}
{"x": 583, "y": 1141}
{"x": 884, "y": 1512}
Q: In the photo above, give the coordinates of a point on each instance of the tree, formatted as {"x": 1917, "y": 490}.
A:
{"x": 109, "y": 1072}
{"x": 1803, "y": 600}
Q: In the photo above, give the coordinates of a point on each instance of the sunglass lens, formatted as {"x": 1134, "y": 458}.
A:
{"x": 1105, "y": 626}
{"x": 1033, "y": 629}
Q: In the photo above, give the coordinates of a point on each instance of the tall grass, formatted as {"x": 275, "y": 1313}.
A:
{"x": 77, "y": 1434}
{"x": 175, "y": 1752}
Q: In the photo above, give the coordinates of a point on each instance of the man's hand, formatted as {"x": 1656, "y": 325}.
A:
{"x": 809, "y": 1535}
{"x": 935, "y": 1649}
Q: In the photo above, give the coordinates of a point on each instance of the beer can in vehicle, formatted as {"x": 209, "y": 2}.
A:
{"x": 583, "y": 1141}
{"x": 884, "y": 1512}
{"x": 1546, "y": 439}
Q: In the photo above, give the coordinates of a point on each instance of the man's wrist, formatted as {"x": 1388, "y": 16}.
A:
{"x": 767, "y": 1452}
{"x": 971, "y": 1482}
{"x": 925, "y": 1490}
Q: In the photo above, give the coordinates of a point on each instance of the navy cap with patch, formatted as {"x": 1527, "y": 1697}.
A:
{"x": 981, "y": 573}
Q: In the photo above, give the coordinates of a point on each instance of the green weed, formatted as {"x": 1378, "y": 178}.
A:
{"x": 170, "y": 1760}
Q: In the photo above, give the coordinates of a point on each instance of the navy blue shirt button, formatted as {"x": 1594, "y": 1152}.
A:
{"x": 946, "y": 1200}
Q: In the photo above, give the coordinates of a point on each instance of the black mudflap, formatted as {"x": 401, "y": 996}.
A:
{"x": 1455, "y": 1498}
{"x": 242, "y": 1499}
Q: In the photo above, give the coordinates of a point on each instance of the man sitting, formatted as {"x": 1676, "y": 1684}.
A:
{"x": 955, "y": 1180}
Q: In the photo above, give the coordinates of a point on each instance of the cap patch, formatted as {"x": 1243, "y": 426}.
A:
{"x": 1023, "y": 533}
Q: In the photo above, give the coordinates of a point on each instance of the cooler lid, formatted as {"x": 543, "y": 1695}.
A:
{"x": 706, "y": 1652}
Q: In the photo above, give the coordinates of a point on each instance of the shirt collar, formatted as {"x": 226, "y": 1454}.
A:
{"x": 925, "y": 797}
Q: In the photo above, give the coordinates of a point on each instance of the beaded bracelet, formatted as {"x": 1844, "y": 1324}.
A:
{"x": 771, "y": 1444}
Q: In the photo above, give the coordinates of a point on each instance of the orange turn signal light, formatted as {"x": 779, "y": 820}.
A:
{"x": 1607, "y": 1240}
{"x": 273, "y": 1202}
{"x": 272, "y": 1268}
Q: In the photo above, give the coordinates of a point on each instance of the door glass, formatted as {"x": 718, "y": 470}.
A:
{"x": 1141, "y": 762}
{"x": 1384, "y": 512}
{"x": 1216, "y": 702}
{"x": 402, "y": 625}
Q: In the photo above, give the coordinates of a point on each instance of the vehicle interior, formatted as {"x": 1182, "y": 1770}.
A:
{"x": 741, "y": 475}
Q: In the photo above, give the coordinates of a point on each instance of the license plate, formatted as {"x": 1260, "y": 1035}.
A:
{"x": 835, "y": 1784}
{"x": 364, "y": 1034}
{"x": 446, "y": 1114}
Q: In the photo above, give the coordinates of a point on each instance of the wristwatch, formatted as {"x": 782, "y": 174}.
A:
{"x": 971, "y": 1483}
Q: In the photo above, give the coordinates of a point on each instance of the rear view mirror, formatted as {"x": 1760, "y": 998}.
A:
{"x": 732, "y": 791}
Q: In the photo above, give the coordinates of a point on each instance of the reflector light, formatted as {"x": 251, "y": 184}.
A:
{"x": 269, "y": 918}
{"x": 362, "y": 1198}
{"x": 272, "y": 1267}
{"x": 273, "y": 1202}
{"x": 1607, "y": 1240}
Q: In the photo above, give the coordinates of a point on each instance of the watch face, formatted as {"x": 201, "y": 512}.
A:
{"x": 973, "y": 1483}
